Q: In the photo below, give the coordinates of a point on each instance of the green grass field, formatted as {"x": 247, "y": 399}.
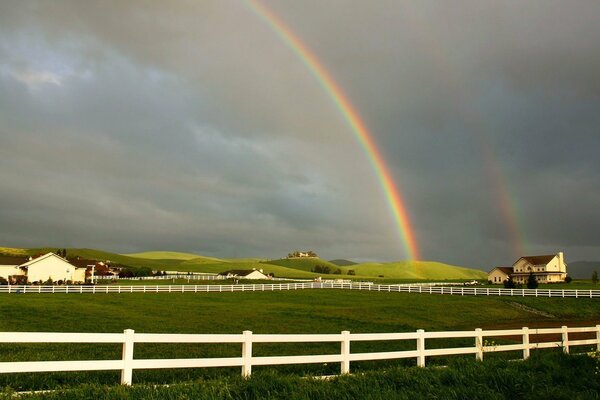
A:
{"x": 314, "y": 311}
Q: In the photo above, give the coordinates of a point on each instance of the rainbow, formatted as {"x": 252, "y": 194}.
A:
{"x": 358, "y": 127}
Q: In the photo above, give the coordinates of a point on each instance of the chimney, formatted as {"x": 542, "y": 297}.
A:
{"x": 561, "y": 261}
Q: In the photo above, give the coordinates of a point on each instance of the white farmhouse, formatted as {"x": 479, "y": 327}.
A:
{"x": 546, "y": 269}
{"x": 48, "y": 266}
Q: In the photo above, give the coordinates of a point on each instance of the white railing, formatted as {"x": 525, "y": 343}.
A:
{"x": 246, "y": 360}
{"x": 451, "y": 290}
{"x": 193, "y": 277}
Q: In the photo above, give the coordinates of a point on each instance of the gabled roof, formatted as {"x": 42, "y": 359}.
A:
{"x": 45, "y": 256}
{"x": 506, "y": 270}
{"x": 240, "y": 272}
{"x": 13, "y": 260}
{"x": 537, "y": 260}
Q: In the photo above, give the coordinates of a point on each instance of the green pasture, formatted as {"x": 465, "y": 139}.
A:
{"x": 303, "y": 311}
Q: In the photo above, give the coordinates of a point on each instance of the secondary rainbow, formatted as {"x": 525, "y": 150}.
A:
{"x": 358, "y": 127}
{"x": 504, "y": 195}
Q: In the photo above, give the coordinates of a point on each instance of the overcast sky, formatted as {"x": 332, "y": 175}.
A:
{"x": 190, "y": 126}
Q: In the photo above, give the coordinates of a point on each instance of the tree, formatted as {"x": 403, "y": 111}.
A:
{"x": 532, "y": 283}
{"x": 595, "y": 277}
{"x": 568, "y": 279}
{"x": 351, "y": 272}
{"x": 509, "y": 283}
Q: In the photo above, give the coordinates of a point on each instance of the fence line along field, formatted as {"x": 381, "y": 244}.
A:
{"x": 270, "y": 287}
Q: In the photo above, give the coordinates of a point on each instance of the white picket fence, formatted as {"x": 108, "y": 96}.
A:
{"x": 403, "y": 288}
{"x": 126, "y": 364}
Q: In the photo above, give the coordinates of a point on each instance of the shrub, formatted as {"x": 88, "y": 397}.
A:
{"x": 337, "y": 272}
{"x": 509, "y": 283}
{"x": 532, "y": 283}
{"x": 595, "y": 277}
{"x": 351, "y": 272}
{"x": 568, "y": 279}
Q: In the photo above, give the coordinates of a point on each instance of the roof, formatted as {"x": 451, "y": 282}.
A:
{"x": 506, "y": 270}
{"x": 13, "y": 260}
{"x": 240, "y": 272}
{"x": 45, "y": 256}
{"x": 537, "y": 260}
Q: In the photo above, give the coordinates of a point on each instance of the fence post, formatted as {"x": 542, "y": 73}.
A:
{"x": 525, "y": 343}
{"x": 421, "y": 348}
{"x": 345, "y": 350}
{"x": 127, "y": 371}
{"x": 565, "y": 339}
{"x": 597, "y": 337}
{"x": 479, "y": 344}
{"x": 247, "y": 354}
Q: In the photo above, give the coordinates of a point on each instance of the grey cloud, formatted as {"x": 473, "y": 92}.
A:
{"x": 191, "y": 126}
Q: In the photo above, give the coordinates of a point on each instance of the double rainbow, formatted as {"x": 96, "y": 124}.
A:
{"x": 358, "y": 127}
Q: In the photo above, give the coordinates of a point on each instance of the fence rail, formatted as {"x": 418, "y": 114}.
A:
{"x": 246, "y": 361}
{"x": 263, "y": 287}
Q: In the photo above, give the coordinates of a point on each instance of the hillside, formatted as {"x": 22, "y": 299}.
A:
{"x": 303, "y": 264}
{"x": 425, "y": 270}
{"x": 342, "y": 262}
{"x": 583, "y": 269}
{"x": 164, "y": 255}
{"x": 289, "y": 268}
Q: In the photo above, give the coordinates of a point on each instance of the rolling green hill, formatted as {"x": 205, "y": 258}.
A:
{"x": 303, "y": 264}
{"x": 164, "y": 255}
{"x": 342, "y": 262}
{"x": 426, "y": 270}
{"x": 277, "y": 270}
{"x": 287, "y": 267}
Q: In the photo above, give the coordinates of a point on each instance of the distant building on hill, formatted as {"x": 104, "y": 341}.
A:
{"x": 41, "y": 269}
{"x": 302, "y": 254}
{"x": 546, "y": 269}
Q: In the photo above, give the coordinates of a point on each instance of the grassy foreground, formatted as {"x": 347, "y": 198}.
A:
{"x": 551, "y": 376}
{"x": 305, "y": 311}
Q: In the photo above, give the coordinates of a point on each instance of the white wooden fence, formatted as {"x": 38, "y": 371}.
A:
{"x": 246, "y": 361}
{"x": 451, "y": 290}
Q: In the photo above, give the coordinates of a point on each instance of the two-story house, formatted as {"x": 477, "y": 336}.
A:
{"x": 546, "y": 269}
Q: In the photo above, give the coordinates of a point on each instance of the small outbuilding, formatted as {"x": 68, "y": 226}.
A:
{"x": 244, "y": 274}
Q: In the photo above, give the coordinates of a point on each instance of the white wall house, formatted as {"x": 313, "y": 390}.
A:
{"x": 499, "y": 274}
{"x": 245, "y": 274}
{"x": 48, "y": 266}
{"x": 546, "y": 269}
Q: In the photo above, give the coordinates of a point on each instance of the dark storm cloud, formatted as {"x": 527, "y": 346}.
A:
{"x": 191, "y": 126}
